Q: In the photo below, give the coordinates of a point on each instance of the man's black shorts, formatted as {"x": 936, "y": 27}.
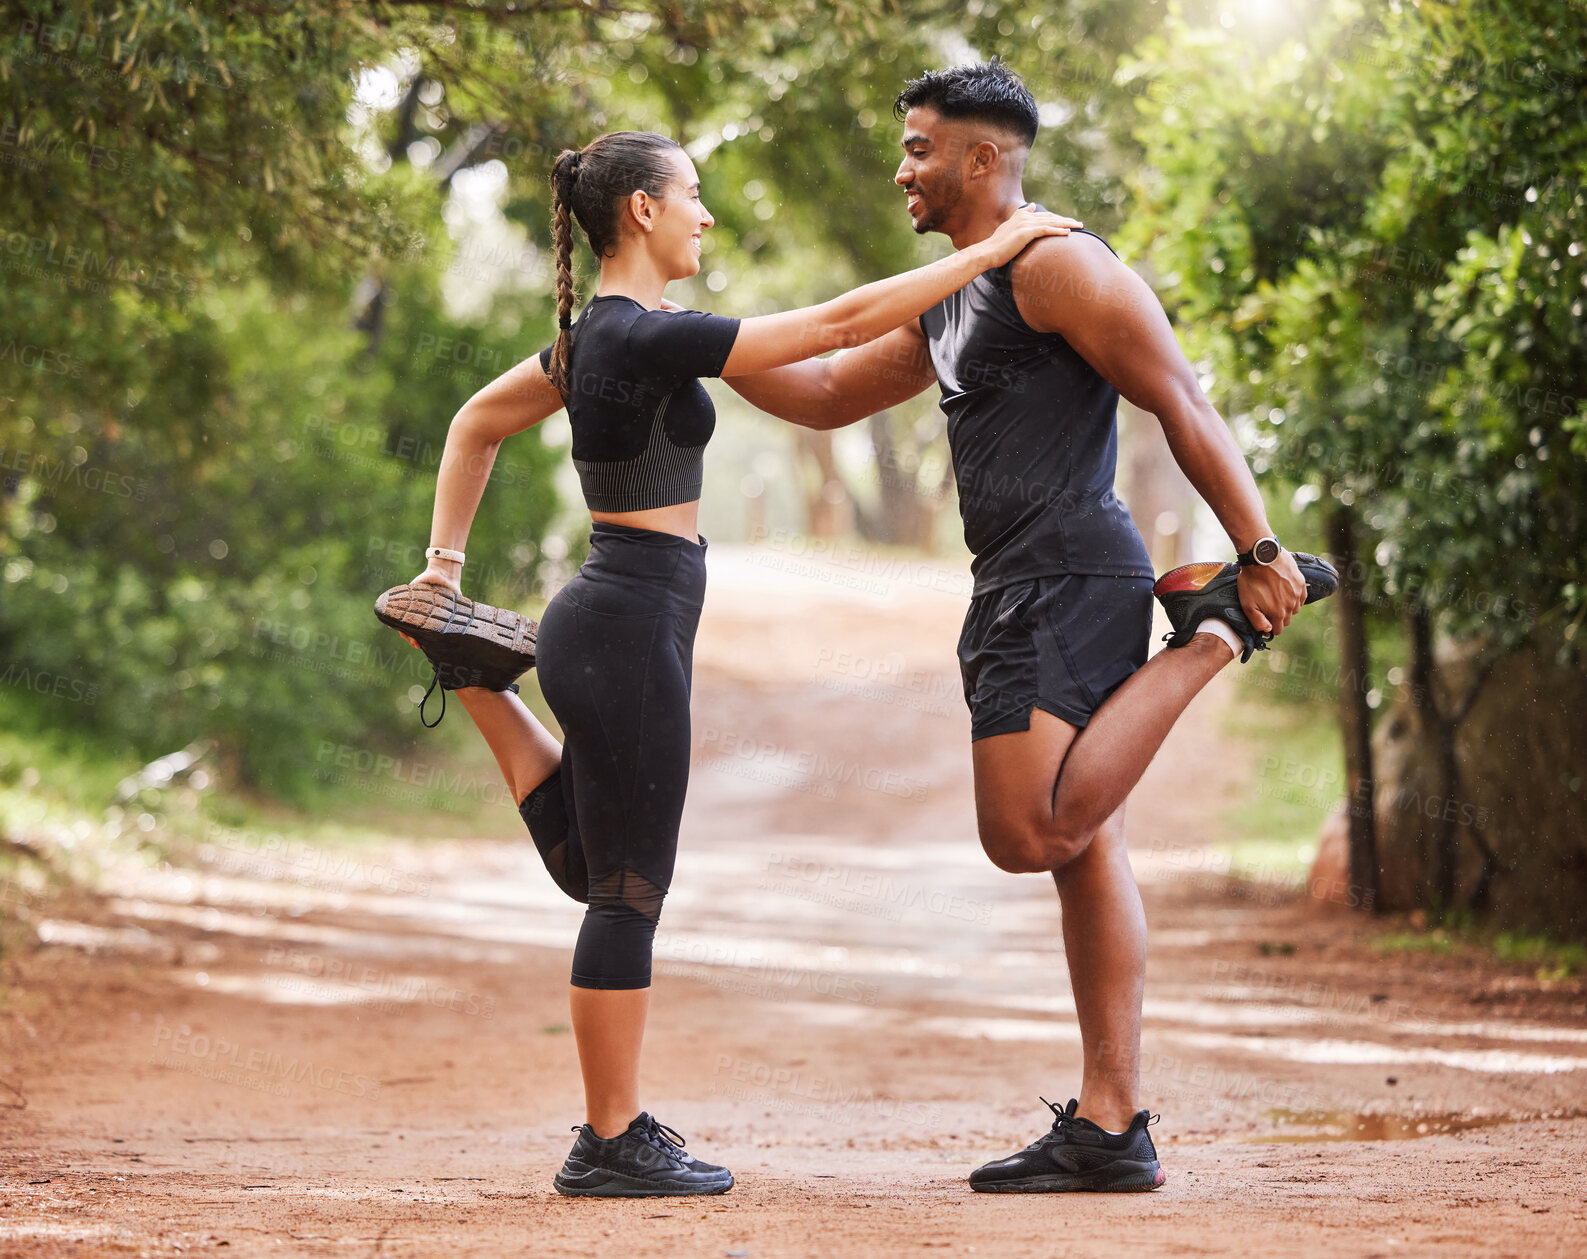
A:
{"x": 1062, "y": 644}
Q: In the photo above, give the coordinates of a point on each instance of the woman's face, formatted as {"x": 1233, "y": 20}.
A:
{"x": 677, "y": 220}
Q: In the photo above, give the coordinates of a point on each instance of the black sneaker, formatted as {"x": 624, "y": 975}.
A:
{"x": 647, "y": 1161}
{"x": 467, "y": 643}
{"x": 1193, "y": 592}
{"x": 1077, "y": 1156}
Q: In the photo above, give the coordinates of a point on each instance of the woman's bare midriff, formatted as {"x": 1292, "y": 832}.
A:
{"x": 681, "y": 519}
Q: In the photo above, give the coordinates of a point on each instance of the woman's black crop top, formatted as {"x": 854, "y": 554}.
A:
{"x": 640, "y": 416}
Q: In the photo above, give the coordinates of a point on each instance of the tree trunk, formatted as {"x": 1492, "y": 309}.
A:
{"x": 827, "y": 507}
{"x": 1438, "y": 733}
{"x": 903, "y": 517}
{"x": 407, "y": 132}
{"x": 1355, "y": 717}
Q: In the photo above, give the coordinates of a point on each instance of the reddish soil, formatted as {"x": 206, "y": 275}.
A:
{"x": 368, "y": 1054}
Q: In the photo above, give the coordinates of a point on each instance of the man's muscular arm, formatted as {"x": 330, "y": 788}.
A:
{"x": 852, "y": 384}
{"x": 1081, "y": 291}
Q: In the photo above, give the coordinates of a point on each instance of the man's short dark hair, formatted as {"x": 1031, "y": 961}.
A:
{"x": 987, "y": 91}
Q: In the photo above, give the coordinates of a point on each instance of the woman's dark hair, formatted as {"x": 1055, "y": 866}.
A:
{"x": 591, "y": 184}
{"x": 988, "y": 91}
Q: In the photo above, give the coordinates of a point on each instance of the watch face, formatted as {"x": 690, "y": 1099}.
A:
{"x": 1266, "y": 551}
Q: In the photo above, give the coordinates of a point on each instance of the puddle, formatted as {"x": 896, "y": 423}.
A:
{"x": 1343, "y": 1125}
{"x": 1370, "y": 1053}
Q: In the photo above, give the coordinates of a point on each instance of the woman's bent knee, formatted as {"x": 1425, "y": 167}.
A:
{"x": 618, "y": 934}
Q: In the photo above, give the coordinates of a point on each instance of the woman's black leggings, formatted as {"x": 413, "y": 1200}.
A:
{"x": 615, "y": 655}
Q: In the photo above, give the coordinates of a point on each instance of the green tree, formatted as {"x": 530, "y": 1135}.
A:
{"x": 1370, "y": 230}
{"x": 230, "y": 368}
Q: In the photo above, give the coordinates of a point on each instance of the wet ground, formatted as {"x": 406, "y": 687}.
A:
{"x": 290, "y": 1051}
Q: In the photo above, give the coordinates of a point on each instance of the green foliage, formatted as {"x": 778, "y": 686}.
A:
{"x": 152, "y": 140}
{"x": 1552, "y": 961}
{"x": 214, "y": 575}
{"x": 209, "y": 470}
{"x": 1439, "y": 942}
{"x": 1367, "y": 219}
{"x": 1296, "y": 773}
{"x": 1372, "y": 230}
{"x": 69, "y": 769}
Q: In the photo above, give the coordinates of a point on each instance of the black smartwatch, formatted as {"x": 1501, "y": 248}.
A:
{"x": 1263, "y": 551}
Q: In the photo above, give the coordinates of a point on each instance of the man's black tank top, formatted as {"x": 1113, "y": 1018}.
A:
{"x": 1033, "y": 432}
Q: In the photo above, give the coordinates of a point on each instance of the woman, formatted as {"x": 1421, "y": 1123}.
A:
{"x": 615, "y": 646}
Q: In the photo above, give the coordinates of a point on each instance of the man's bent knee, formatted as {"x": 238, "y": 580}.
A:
{"x": 1031, "y": 849}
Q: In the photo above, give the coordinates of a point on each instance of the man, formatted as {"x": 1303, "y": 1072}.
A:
{"x": 1066, "y": 710}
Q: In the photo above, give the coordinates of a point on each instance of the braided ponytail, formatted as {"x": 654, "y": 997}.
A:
{"x": 590, "y": 185}
{"x": 563, "y": 176}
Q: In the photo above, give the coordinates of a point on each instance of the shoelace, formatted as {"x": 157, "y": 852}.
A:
{"x": 1063, "y": 1115}
{"x": 667, "y": 1140}
{"x": 435, "y": 681}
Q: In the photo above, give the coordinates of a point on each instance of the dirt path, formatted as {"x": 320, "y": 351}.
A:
{"x": 369, "y": 1055}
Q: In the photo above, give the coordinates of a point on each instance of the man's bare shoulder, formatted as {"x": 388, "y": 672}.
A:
{"x": 1057, "y": 278}
{"x": 1052, "y": 257}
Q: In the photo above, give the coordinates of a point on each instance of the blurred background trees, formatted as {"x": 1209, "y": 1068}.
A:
{"x": 255, "y": 260}
{"x": 1371, "y": 223}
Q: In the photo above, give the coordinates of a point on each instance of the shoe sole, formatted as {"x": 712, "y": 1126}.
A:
{"x": 595, "y": 1182}
{"x": 1114, "y": 1178}
{"x": 1322, "y": 579}
{"x": 457, "y": 630}
{"x": 1188, "y": 578}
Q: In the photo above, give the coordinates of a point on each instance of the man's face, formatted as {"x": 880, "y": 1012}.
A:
{"x": 936, "y": 151}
